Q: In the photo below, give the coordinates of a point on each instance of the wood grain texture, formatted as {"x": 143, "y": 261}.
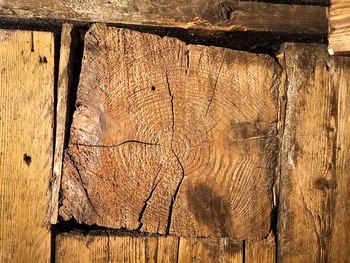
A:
{"x": 339, "y": 248}
{"x": 200, "y": 14}
{"x": 26, "y": 144}
{"x": 106, "y": 247}
{"x": 262, "y": 251}
{"x": 170, "y": 138}
{"x": 313, "y": 215}
{"x": 61, "y": 115}
{"x": 339, "y": 27}
{"x": 210, "y": 250}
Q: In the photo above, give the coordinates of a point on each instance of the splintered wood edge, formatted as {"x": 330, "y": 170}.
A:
{"x": 61, "y": 113}
{"x": 203, "y": 14}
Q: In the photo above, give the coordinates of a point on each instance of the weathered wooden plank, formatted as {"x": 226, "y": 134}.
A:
{"x": 172, "y": 139}
{"x": 64, "y": 80}
{"x": 339, "y": 248}
{"x": 26, "y": 144}
{"x": 106, "y": 247}
{"x": 339, "y": 27}
{"x": 312, "y": 195}
{"x": 210, "y": 250}
{"x": 201, "y": 14}
{"x": 261, "y": 251}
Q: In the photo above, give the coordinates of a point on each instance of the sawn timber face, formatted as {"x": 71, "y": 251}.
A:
{"x": 172, "y": 138}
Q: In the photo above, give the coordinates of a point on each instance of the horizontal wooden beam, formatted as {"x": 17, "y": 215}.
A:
{"x": 339, "y": 27}
{"x": 194, "y": 14}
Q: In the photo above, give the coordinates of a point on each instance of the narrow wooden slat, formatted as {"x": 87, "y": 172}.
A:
{"x": 339, "y": 27}
{"x": 339, "y": 249}
{"x": 202, "y": 14}
{"x": 261, "y": 251}
{"x": 313, "y": 213}
{"x": 26, "y": 143}
{"x": 61, "y": 114}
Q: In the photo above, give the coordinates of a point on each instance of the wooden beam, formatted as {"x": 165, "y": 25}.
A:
{"x": 26, "y": 144}
{"x": 108, "y": 247}
{"x": 339, "y": 27}
{"x": 180, "y": 138}
{"x": 194, "y": 14}
{"x": 314, "y": 198}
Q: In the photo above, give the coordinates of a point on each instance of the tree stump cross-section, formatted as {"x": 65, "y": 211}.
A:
{"x": 171, "y": 138}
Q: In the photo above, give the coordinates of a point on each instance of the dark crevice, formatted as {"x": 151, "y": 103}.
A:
{"x": 173, "y": 199}
{"x": 82, "y": 183}
{"x": 257, "y": 42}
{"x": 74, "y": 69}
{"x": 154, "y": 186}
{"x": 108, "y": 246}
{"x": 243, "y": 252}
{"x": 114, "y": 145}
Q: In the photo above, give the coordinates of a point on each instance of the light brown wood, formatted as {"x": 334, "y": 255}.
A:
{"x": 314, "y": 217}
{"x": 339, "y": 248}
{"x": 339, "y": 27}
{"x": 26, "y": 144}
{"x": 195, "y": 14}
{"x": 262, "y": 251}
{"x": 210, "y": 250}
{"x": 61, "y": 115}
{"x": 170, "y": 138}
{"x": 107, "y": 247}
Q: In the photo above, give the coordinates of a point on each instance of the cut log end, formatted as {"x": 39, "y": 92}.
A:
{"x": 172, "y": 138}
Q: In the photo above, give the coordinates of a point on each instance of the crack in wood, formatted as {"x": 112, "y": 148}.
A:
{"x": 216, "y": 82}
{"x": 154, "y": 186}
{"x": 82, "y": 184}
{"x": 114, "y": 145}
{"x": 173, "y": 199}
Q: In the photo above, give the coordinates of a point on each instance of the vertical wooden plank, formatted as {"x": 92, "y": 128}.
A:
{"x": 339, "y": 250}
{"x": 168, "y": 249}
{"x": 210, "y": 250}
{"x": 26, "y": 132}
{"x": 338, "y": 27}
{"x": 61, "y": 114}
{"x": 76, "y": 247}
{"x": 313, "y": 216}
{"x": 261, "y": 251}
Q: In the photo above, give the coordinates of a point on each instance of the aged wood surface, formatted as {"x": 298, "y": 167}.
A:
{"x": 339, "y": 248}
{"x": 26, "y": 144}
{"x": 262, "y": 251}
{"x": 202, "y": 14}
{"x": 210, "y": 250}
{"x": 339, "y": 27}
{"x": 313, "y": 215}
{"x": 106, "y": 247}
{"x": 170, "y": 138}
{"x": 61, "y": 114}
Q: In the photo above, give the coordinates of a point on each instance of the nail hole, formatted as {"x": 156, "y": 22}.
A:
{"x": 27, "y": 159}
{"x": 45, "y": 60}
{"x": 42, "y": 60}
{"x": 153, "y": 88}
{"x": 78, "y": 104}
{"x": 328, "y": 67}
